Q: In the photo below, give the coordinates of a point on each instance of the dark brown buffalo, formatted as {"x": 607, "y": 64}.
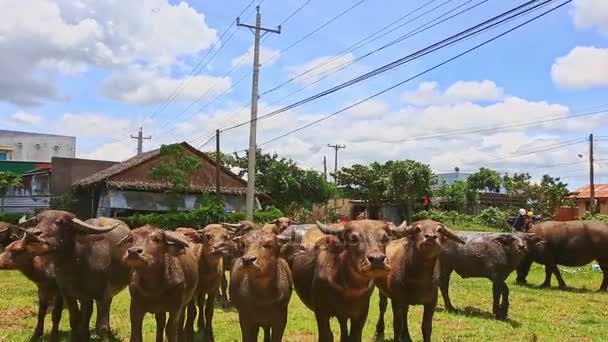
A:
{"x": 87, "y": 263}
{"x": 164, "y": 280}
{"x": 260, "y": 287}
{"x": 42, "y": 273}
{"x": 335, "y": 278}
{"x": 413, "y": 277}
{"x": 484, "y": 255}
{"x": 279, "y": 225}
{"x": 238, "y": 229}
{"x": 571, "y": 243}
{"x": 211, "y": 243}
{"x": 9, "y": 233}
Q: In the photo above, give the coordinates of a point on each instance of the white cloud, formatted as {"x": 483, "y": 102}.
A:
{"x": 25, "y": 118}
{"x": 267, "y": 57}
{"x": 148, "y": 87}
{"x": 429, "y": 93}
{"x": 114, "y": 151}
{"x": 370, "y": 110}
{"x": 591, "y": 13}
{"x": 69, "y": 37}
{"x": 319, "y": 68}
{"x": 583, "y": 67}
{"x": 92, "y": 125}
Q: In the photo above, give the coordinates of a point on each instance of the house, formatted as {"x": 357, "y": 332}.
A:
{"x": 128, "y": 187}
{"x": 583, "y": 197}
{"x": 35, "y": 147}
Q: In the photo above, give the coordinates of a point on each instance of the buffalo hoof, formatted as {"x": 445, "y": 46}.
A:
{"x": 36, "y": 337}
{"x": 451, "y": 309}
{"x": 544, "y": 285}
{"x": 521, "y": 281}
{"x": 563, "y": 287}
{"x": 54, "y": 336}
{"x": 602, "y": 290}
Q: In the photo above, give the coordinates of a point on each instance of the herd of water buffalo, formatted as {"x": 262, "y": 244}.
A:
{"x": 178, "y": 275}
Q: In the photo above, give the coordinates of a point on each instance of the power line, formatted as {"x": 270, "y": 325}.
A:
{"x": 295, "y": 12}
{"x": 419, "y": 74}
{"x": 541, "y": 149}
{"x": 418, "y": 54}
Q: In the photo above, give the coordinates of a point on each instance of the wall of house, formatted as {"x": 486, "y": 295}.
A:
{"x": 66, "y": 171}
{"x": 24, "y": 146}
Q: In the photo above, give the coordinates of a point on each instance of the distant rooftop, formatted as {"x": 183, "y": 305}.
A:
{"x": 4, "y": 131}
{"x": 601, "y": 191}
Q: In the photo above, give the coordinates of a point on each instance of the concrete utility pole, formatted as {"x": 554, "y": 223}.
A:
{"x": 140, "y": 140}
{"x": 256, "y": 30}
{"x": 218, "y": 162}
{"x": 325, "y": 167}
{"x": 336, "y": 147}
{"x": 591, "y": 176}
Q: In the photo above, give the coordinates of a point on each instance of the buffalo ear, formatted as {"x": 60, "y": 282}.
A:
{"x": 194, "y": 236}
{"x": 448, "y": 233}
{"x": 505, "y": 239}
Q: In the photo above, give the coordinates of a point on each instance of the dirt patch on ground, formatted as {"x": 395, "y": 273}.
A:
{"x": 12, "y": 319}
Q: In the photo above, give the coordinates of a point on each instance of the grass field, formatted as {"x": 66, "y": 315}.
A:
{"x": 536, "y": 314}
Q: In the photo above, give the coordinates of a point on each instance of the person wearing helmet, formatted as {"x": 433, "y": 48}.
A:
{"x": 520, "y": 220}
{"x": 528, "y": 221}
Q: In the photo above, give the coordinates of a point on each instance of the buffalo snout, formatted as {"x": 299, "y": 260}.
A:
{"x": 135, "y": 251}
{"x": 248, "y": 260}
{"x": 376, "y": 259}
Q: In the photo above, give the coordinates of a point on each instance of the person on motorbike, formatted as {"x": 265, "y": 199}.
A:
{"x": 520, "y": 220}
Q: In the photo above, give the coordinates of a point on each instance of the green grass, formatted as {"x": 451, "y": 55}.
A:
{"x": 535, "y": 315}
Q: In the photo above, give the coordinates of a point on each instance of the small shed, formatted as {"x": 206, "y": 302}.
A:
{"x": 583, "y": 197}
{"x": 128, "y": 187}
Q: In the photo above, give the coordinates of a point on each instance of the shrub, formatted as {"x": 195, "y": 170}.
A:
{"x": 596, "y": 217}
{"x": 10, "y": 217}
{"x": 493, "y": 217}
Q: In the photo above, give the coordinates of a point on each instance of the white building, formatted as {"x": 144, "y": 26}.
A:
{"x": 35, "y": 147}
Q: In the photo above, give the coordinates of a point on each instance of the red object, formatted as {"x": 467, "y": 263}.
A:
{"x": 426, "y": 201}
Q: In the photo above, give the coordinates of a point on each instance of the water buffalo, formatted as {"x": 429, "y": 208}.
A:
{"x": 87, "y": 263}
{"x": 484, "y": 255}
{"x": 335, "y": 278}
{"x": 279, "y": 225}
{"x": 9, "y": 233}
{"x": 211, "y": 243}
{"x": 260, "y": 287}
{"x": 571, "y": 243}
{"x": 164, "y": 279}
{"x": 42, "y": 272}
{"x": 237, "y": 229}
{"x": 413, "y": 277}
{"x": 306, "y": 234}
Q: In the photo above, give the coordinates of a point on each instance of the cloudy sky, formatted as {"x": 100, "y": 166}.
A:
{"x": 98, "y": 70}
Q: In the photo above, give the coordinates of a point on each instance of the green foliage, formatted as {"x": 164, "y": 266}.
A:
{"x": 484, "y": 180}
{"x": 67, "y": 202}
{"x": 493, "y": 217}
{"x": 454, "y": 195}
{"x": 175, "y": 169}
{"x": 11, "y": 217}
{"x": 595, "y": 217}
{"x": 8, "y": 180}
{"x": 284, "y": 181}
{"x": 368, "y": 183}
{"x": 545, "y": 197}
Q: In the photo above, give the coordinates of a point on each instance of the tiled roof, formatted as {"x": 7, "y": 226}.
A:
{"x": 601, "y": 191}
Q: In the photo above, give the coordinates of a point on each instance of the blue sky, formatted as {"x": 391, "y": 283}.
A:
{"x": 99, "y": 70}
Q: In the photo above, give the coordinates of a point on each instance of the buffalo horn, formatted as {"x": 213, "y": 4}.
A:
{"x": 24, "y": 220}
{"x": 232, "y": 226}
{"x": 399, "y": 230}
{"x": 175, "y": 239}
{"x": 88, "y": 228}
{"x": 326, "y": 229}
{"x": 449, "y": 234}
{"x": 2, "y": 230}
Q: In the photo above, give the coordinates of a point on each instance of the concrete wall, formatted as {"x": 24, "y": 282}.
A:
{"x": 37, "y": 147}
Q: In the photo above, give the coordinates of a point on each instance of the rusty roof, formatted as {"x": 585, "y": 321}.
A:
{"x": 601, "y": 191}
{"x": 104, "y": 175}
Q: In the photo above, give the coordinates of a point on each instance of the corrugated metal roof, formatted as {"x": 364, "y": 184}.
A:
{"x": 601, "y": 191}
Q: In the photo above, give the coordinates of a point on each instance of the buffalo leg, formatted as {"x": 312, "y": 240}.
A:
{"x": 173, "y": 325}
{"x": 137, "y": 318}
{"x": 201, "y": 313}
{"x": 558, "y": 275}
{"x": 604, "y": 266}
{"x": 74, "y": 311}
{"x": 161, "y": 320}
{"x": 266, "y": 334}
{"x": 343, "y": 329}
{"x": 102, "y": 326}
{"x": 400, "y": 322}
{"x": 504, "y": 304}
{"x": 427, "y": 320}
{"x": 43, "y": 305}
{"x": 356, "y": 329}
{"x": 249, "y": 331}
{"x": 56, "y": 317}
{"x": 523, "y": 269}
{"x": 444, "y": 285}
{"x": 224, "y": 301}
{"x": 548, "y": 273}
{"x": 190, "y": 318}
{"x": 209, "y": 306}
{"x": 278, "y": 327}
{"x": 86, "y": 311}
{"x": 496, "y": 292}
{"x": 383, "y": 303}
{"x": 323, "y": 328}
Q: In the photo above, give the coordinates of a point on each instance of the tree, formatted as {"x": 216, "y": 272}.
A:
{"x": 454, "y": 195}
{"x": 408, "y": 182}
{"x": 545, "y": 197}
{"x": 483, "y": 180}
{"x": 367, "y": 183}
{"x": 175, "y": 169}
{"x": 8, "y": 180}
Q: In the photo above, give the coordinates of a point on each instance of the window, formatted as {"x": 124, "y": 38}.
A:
{"x": 3, "y": 155}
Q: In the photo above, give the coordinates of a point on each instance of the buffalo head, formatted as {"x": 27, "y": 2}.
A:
{"x": 259, "y": 251}
{"x": 55, "y": 230}
{"x": 240, "y": 228}
{"x": 148, "y": 246}
{"x": 428, "y": 236}
{"x": 215, "y": 238}
{"x": 14, "y": 254}
{"x": 279, "y": 225}
{"x": 364, "y": 243}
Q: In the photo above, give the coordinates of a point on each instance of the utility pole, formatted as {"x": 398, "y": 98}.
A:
{"x": 256, "y": 30}
{"x": 591, "y": 176}
{"x": 336, "y": 147}
{"x": 140, "y": 140}
{"x": 218, "y": 162}
{"x": 325, "y": 167}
